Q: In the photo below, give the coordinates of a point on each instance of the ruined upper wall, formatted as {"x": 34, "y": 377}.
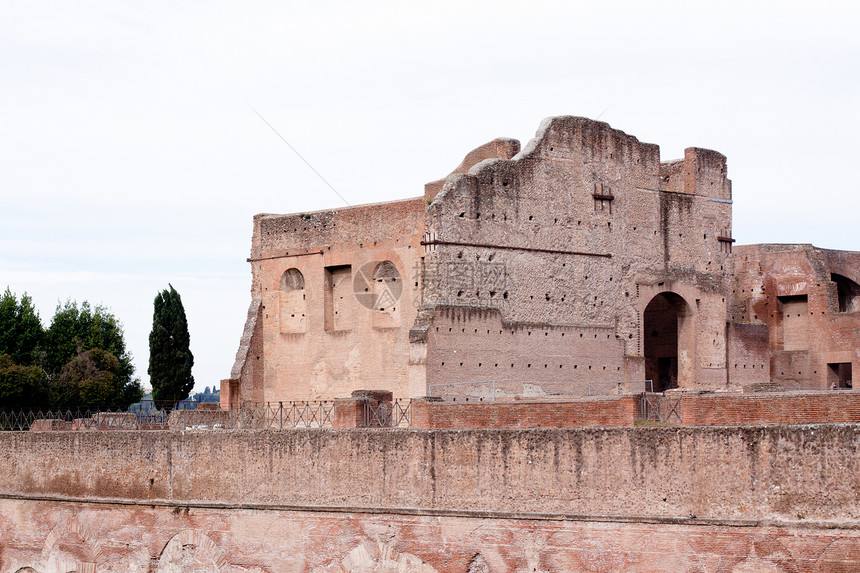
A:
{"x": 701, "y": 172}
{"x": 845, "y": 263}
{"x": 577, "y": 220}
{"x": 596, "y": 142}
{"x": 499, "y": 148}
{"x": 788, "y": 270}
{"x": 395, "y": 221}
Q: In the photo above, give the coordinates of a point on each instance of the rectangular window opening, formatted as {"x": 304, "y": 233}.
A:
{"x": 839, "y": 375}
{"x": 338, "y": 298}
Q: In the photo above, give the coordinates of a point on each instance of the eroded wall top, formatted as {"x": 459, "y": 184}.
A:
{"x": 579, "y": 218}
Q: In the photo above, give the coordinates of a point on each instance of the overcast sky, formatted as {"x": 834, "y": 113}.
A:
{"x": 131, "y": 156}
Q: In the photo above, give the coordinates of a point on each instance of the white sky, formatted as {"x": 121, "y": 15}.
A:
{"x": 130, "y": 155}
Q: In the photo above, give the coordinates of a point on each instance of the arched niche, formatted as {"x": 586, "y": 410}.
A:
{"x": 191, "y": 550}
{"x": 70, "y": 547}
{"x": 386, "y": 288}
{"x": 292, "y": 302}
{"x": 376, "y": 556}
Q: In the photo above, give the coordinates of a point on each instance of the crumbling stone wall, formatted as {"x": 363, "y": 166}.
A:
{"x": 789, "y": 295}
{"x": 647, "y": 498}
{"x": 577, "y": 233}
{"x": 715, "y": 472}
{"x": 246, "y": 380}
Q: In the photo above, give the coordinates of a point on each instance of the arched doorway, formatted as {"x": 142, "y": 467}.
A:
{"x": 668, "y": 342}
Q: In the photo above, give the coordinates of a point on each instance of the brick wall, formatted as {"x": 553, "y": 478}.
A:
{"x": 717, "y": 409}
{"x": 749, "y": 354}
{"x": 791, "y": 293}
{"x": 474, "y": 344}
{"x": 585, "y": 412}
{"x": 771, "y": 408}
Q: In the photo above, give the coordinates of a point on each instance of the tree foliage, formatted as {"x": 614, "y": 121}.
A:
{"x": 170, "y": 358}
{"x": 75, "y": 330}
{"x": 21, "y": 331}
{"x": 22, "y": 386}
{"x": 79, "y": 361}
{"x": 93, "y": 378}
{"x": 207, "y": 395}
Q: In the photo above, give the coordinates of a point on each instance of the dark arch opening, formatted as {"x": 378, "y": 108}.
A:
{"x": 848, "y": 293}
{"x": 666, "y": 326}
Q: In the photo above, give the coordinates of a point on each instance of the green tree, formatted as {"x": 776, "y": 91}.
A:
{"x": 77, "y": 329}
{"x": 22, "y": 386}
{"x": 21, "y": 331}
{"x": 206, "y": 396}
{"x": 93, "y": 378}
{"x": 170, "y": 358}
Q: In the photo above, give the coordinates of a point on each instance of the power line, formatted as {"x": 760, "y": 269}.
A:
{"x": 300, "y": 157}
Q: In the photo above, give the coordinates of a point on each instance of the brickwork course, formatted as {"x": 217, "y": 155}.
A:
{"x": 580, "y": 258}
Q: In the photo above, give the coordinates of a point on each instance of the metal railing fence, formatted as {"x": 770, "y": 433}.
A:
{"x": 181, "y": 416}
{"x": 82, "y": 419}
{"x": 657, "y": 407}
{"x": 397, "y": 414}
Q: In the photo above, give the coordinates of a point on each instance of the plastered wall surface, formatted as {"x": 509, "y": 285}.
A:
{"x": 329, "y": 323}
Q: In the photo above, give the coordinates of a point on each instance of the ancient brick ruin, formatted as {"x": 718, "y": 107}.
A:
{"x": 580, "y": 259}
{"x": 541, "y": 275}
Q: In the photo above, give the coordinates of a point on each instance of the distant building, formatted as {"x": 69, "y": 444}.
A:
{"x": 581, "y": 258}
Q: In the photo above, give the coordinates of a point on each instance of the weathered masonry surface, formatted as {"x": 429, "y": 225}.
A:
{"x": 770, "y": 498}
{"x": 774, "y": 471}
{"x": 51, "y": 536}
{"x": 689, "y": 409}
{"x": 582, "y": 257}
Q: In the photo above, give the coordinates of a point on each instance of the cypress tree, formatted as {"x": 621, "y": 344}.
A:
{"x": 170, "y": 358}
